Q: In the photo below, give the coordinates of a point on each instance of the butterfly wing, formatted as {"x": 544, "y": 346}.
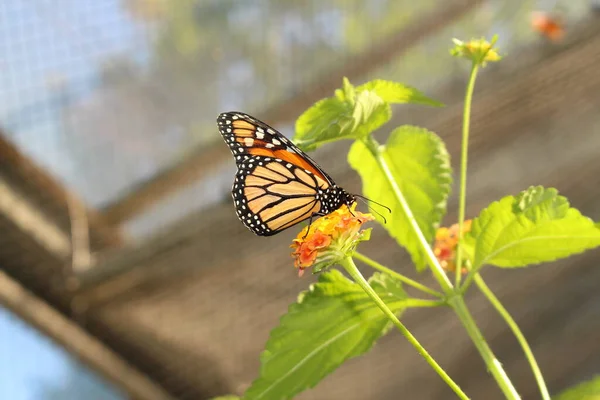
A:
{"x": 271, "y": 195}
{"x": 246, "y": 136}
{"x": 276, "y": 185}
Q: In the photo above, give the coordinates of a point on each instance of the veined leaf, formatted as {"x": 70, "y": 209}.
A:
{"x": 420, "y": 165}
{"x": 353, "y": 112}
{"x": 327, "y": 120}
{"x": 534, "y": 227}
{"x": 394, "y": 92}
{"x": 331, "y": 322}
{"x": 370, "y": 112}
{"x": 589, "y": 390}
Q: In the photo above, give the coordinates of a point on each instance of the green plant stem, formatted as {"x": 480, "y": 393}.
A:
{"x": 404, "y": 279}
{"x": 436, "y": 268}
{"x": 454, "y": 297}
{"x": 350, "y": 267}
{"x": 492, "y": 363}
{"x": 517, "y": 332}
{"x": 462, "y": 197}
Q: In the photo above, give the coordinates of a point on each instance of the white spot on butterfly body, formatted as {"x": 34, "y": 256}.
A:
{"x": 269, "y": 145}
{"x": 271, "y": 131}
{"x": 249, "y": 142}
{"x": 289, "y": 165}
{"x": 234, "y": 117}
{"x": 260, "y": 135}
{"x": 276, "y": 142}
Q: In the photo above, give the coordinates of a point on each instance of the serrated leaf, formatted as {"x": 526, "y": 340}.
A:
{"x": 394, "y": 92}
{"x": 534, "y": 227}
{"x": 339, "y": 118}
{"x": 347, "y": 92}
{"x": 331, "y": 322}
{"x": 353, "y": 112}
{"x": 327, "y": 120}
{"x": 420, "y": 165}
{"x": 370, "y": 112}
{"x": 589, "y": 390}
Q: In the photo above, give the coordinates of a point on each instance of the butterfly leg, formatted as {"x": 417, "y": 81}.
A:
{"x": 310, "y": 222}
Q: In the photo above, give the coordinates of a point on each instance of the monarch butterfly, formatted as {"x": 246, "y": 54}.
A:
{"x": 276, "y": 185}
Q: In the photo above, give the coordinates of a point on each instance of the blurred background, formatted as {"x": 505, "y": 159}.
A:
{"x": 124, "y": 272}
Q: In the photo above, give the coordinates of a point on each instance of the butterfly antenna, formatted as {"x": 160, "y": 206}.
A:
{"x": 372, "y": 209}
{"x": 374, "y": 202}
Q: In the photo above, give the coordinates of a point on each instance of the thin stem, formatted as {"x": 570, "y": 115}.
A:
{"x": 404, "y": 279}
{"x": 436, "y": 268}
{"x": 462, "y": 198}
{"x": 423, "y": 303}
{"x": 468, "y": 281}
{"x": 492, "y": 363}
{"x": 350, "y": 267}
{"x": 517, "y": 332}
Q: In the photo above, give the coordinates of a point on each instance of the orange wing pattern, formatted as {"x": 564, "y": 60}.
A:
{"x": 246, "y": 136}
{"x": 277, "y": 185}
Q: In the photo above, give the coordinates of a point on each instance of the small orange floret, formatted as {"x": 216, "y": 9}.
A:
{"x": 327, "y": 234}
{"x": 446, "y": 241}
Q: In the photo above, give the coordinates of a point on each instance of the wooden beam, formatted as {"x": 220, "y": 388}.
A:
{"x": 22, "y": 169}
{"x": 203, "y": 161}
{"x": 72, "y": 337}
{"x": 28, "y": 219}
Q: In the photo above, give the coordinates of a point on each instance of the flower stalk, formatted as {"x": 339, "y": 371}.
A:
{"x": 350, "y": 267}
{"x": 435, "y": 266}
{"x": 404, "y": 279}
{"x": 462, "y": 198}
{"x": 517, "y": 332}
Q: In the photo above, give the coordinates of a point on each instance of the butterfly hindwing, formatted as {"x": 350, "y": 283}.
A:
{"x": 271, "y": 195}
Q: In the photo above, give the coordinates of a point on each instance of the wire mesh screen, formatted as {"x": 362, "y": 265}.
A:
{"x": 106, "y": 95}
{"x": 109, "y": 144}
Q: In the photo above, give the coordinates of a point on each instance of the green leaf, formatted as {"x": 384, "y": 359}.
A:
{"x": 589, "y": 390}
{"x": 331, "y": 322}
{"x": 420, "y": 165}
{"x": 327, "y": 120}
{"x": 347, "y": 92}
{"x": 370, "y": 112}
{"x": 394, "y": 92}
{"x": 353, "y": 113}
{"x": 536, "y": 226}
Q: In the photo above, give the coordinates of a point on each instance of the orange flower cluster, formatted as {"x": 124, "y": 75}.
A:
{"x": 330, "y": 238}
{"x": 446, "y": 241}
{"x": 547, "y": 25}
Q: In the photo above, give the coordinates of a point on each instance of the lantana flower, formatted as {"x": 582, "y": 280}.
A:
{"x": 480, "y": 51}
{"x": 552, "y": 27}
{"x": 329, "y": 239}
{"x": 446, "y": 242}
